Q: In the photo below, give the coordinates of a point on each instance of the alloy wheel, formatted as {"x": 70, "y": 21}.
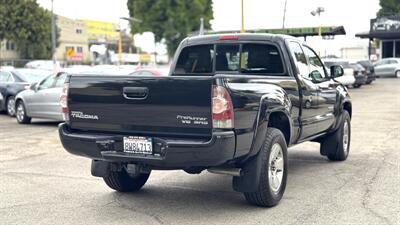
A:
{"x": 11, "y": 106}
{"x": 275, "y": 168}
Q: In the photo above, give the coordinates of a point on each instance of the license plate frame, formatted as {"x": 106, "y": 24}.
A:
{"x": 138, "y": 145}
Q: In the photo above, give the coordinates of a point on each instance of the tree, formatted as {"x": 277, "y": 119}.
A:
{"x": 389, "y": 8}
{"x": 28, "y": 25}
{"x": 170, "y": 20}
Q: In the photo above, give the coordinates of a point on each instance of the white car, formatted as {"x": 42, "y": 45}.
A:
{"x": 388, "y": 67}
{"x": 348, "y": 78}
{"x": 41, "y": 64}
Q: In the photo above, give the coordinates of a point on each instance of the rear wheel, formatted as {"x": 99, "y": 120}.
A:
{"x": 369, "y": 82}
{"x": 398, "y": 73}
{"x": 356, "y": 85}
{"x": 10, "y": 106}
{"x": 123, "y": 182}
{"x": 337, "y": 145}
{"x": 273, "y": 173}
{"x": 22, "y": 118}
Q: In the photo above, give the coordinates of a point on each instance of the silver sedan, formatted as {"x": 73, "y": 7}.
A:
{"x": 42, "y": 100}
{"x": 388, "y": 67}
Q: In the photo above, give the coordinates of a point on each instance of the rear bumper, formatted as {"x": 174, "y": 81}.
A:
{"x": 168, "y": 153}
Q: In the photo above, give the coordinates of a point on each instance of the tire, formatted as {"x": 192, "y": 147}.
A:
{"x": 274, "y": 151}
{"x": 356, "y": 85}
{"x": 10, "y": 106}
{"x": 336, "y": 146}
{"x": 397, "y": 73}
{"x": 368, "y": 82}
{"x": 20, "y": 114}
{"x": 122, "y": 182}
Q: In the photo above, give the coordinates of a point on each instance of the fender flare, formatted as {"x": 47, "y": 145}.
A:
{"x": 249, "y": 180}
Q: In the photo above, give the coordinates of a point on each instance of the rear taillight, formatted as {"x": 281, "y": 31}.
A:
{"x": 222, "y": 109}
{"x": 64, "y": 102}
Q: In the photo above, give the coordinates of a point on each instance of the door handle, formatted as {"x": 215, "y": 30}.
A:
{"x": 135, "y": 93}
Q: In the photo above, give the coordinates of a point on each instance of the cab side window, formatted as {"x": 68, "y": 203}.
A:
{"x": 317, "y": 70}
{"x": 300, "y": 59}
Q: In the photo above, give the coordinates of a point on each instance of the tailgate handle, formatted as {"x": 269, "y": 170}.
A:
{"x": 135, "y": 92}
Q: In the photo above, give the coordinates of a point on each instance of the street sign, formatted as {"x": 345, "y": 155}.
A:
{"x": 70, "y": 53}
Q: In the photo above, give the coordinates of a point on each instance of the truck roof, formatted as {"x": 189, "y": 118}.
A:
{"x": 212, "y": 38}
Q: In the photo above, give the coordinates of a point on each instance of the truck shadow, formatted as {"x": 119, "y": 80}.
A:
{"x": 207, "y": 192}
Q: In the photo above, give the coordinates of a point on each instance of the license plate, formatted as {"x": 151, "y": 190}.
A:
{"x": 140, "y": 145}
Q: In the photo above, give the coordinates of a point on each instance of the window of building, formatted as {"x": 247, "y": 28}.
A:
{"x": 387, "y": 49}
{"x": 397, "y": 49}
{"x": 10, "y": 46}
{"x": 79, "y": 49}
{"x": 78, "y": 31}
{"x": 69, "y": 47}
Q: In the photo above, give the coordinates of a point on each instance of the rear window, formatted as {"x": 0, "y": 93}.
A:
{"x": 230, "y": 58}
{"x": 195, "y": 59}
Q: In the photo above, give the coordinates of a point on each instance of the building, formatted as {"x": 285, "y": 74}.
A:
{"x": 77, "y": 37}
{"x": 386, "y": 32}
{"x": 73, "y": 41}
{"x": 356, "y": 53}
{"x": 8, "y": 53}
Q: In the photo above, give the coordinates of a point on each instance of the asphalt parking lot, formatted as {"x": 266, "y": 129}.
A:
{"x": 40, "y": 183}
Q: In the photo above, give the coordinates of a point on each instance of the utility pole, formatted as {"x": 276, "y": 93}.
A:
{"x": 242, "y": 29}
{"x": 120, "y": 47}
{"x": 53, "y": 39}
{"x": 284, "y": 15}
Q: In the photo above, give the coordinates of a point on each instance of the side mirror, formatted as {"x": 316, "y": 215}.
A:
{"x": 33, "y": 86}
{"x": 336, "y": 71}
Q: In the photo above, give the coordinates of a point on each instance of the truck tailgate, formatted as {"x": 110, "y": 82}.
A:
{"x": 148, "y": 105}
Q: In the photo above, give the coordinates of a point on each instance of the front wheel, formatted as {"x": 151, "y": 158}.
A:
{"x": 123, "y": 182}
{"x": 273, "y": 174}
{"x": 398, "y": 73}
{"x": 22, "y": 118}
{"x": 11, "y": 106}
{"x": 336, "y": 146}
{"x": 356, "y": 85}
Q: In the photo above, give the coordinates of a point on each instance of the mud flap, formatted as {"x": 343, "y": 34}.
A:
{"x": 100, "y": 168}
{"x": 250, "y": 177}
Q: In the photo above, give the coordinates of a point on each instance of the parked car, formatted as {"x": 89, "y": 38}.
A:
{"x": 14, "y": 81}
{"x": 348, "y": 78}
{"x": 42, "y": 64}
{"x": 217, "y": 111}
{"x": 360, "y": 73}
{"x": 369, "y": 67}
{"x": 41, "y": 100}
{"x": 388, "y": 67}
{"x": 151, "y": 72}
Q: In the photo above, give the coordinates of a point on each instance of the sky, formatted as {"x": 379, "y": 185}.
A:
{"x": 354, "y": 15}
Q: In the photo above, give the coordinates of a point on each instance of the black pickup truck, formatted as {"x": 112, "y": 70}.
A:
{"x": 232, "y": 104}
